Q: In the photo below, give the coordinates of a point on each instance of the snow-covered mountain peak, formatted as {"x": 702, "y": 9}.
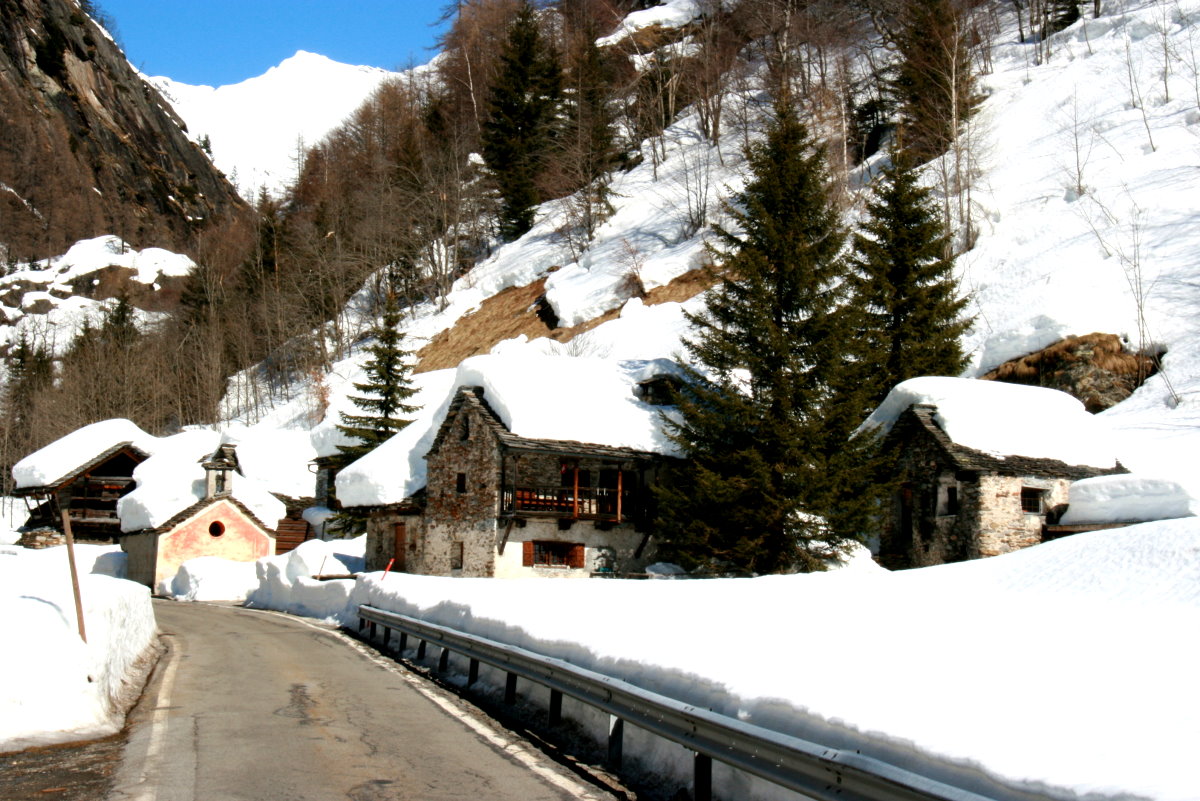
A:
{"x": 256, "y": 128}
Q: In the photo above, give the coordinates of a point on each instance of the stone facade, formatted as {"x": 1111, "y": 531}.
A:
{"x": 951, "y": 503}
{"x": 499, "y": 505}
{"x": 1003, "y": 524}
{"x": 395, "y": 532}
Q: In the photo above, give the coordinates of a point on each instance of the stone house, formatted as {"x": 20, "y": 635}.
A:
{"x": 953, "y": 502}
{"x": 503, "y": 505}
{"x": 218, "y": 524}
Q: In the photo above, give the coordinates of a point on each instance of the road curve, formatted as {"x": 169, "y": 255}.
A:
{"x": 260, "y": 706}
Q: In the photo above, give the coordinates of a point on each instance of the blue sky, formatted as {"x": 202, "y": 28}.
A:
{"x": 226, "y": 41}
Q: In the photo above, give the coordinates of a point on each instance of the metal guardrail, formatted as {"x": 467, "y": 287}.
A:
{"x": 820, "y": 772}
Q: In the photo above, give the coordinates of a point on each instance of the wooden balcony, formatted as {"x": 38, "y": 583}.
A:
{"x": 583, "y": 503}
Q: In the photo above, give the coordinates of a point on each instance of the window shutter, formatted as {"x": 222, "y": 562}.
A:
{"x": 527, "y": 553}
{"x": 576, "y": 557}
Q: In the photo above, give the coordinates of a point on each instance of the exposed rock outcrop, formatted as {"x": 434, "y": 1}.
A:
{"x": 1095, "y": 368}
{"x": 87, "y": 147}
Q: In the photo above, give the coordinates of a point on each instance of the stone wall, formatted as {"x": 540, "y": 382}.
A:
{"x": 958, "y": 515}
{"x": 1003, "y": 526}
{"x": 618, "y": 543}
{"x": 381, "y": 541}
{"x": 463, "y": 498}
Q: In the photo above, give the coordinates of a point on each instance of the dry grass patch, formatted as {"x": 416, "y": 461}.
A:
{"x": 515, "y": 311}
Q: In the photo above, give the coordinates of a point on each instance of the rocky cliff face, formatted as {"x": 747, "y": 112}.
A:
{"x": 87, "y": 147}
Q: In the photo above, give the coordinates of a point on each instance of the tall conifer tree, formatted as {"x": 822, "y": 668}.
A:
{"x": 903, "y": 285}
{"x": 384, "y": 404}
{"x": 767, "y": 346}
{"x": 386, "y": 392}
{"x": 520, "y": 127}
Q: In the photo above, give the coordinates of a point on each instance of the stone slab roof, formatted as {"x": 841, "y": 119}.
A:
{"x": 472, "y": 397}
{"x": 968, "y": 459}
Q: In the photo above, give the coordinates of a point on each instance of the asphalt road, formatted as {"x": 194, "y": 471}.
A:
{"x": 258, "y": 706}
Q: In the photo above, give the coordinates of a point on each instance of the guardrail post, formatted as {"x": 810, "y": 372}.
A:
{"x": 403, "y": 642}
{"x": 555, "y": 707}
{"x": 372, "y": 630}
{"x": 420, "y": 650}
{"x": 444, "y": 660}
{"x": 387, "y": 636}
{"x": 616, "y": 741}
{"x": 510, "y": 689}
{"x": 702, "y": 778}
{"x": 362, "y": 623}
{"x": 473, "y": 672}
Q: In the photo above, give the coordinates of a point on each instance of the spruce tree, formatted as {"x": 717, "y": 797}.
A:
{"x": 383, "y": 403}
{"x": 767, "y": 348}
{"x": 523, "y": 108}
{"x": 903, "y": 285}
{"x": 385, "y": 393}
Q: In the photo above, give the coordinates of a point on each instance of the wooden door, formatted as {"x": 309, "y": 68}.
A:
{"x": 400, "y": 547}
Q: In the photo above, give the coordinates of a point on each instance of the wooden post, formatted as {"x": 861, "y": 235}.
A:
{"x": 555, "y": 707}
{"x": 575, "y": 496}
{"x": 444, "y": 660}
{"x": 66, "y": 521}
{"x": 620, "y": 490}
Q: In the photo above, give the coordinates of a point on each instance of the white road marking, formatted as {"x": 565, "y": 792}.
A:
{"x": 147, "y": 787}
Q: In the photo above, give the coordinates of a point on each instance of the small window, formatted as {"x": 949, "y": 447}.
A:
{"x": 1031, "y": 500}
{"x": 460, "y": 484}
{"x": 951, "y": 500}
{"x": 456, "y": 556}
{"x": 551, "y": 553}
{"x": 464, "y": 433}
{"x": 216, "y": 528}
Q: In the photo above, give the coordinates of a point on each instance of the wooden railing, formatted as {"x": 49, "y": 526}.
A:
{"x": 589, "y": 503}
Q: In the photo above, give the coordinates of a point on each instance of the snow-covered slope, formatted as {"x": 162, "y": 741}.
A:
{"x": 47, "y": 301}
{"x": 1049, "y": 665}
{"x": 256, "y": 128}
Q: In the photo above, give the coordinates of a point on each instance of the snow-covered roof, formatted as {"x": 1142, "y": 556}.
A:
{"x": 1129, "y": 498}
{"x": 535, "y": 396}
{"x": 63, "y": 458}
{"x": 1003, "y": 420}
{"x": 172, "y": 481}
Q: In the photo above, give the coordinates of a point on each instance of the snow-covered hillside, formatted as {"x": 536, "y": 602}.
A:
{"x": 257, "y": 128}
{"x": 1072, "y": 654}
{"x": 1048, "y": 261}
{"x": 47, "y": 302}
